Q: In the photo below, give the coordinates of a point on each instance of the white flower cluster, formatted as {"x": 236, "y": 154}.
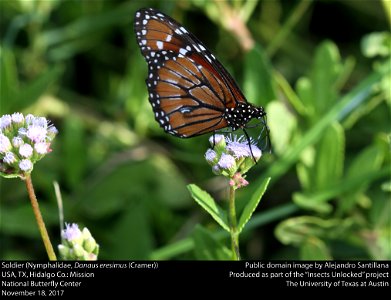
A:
{"x": 78, "y": 244}
{"x": 23, "y": 141}
{"x": 232, "y": 154}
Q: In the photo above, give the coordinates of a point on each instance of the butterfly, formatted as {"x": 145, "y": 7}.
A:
{"x": 190, "y": 91}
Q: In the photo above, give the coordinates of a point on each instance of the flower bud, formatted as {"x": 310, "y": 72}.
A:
{"x": 78, "y": 244}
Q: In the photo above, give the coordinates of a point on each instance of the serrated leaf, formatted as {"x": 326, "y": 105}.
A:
{"x": 207, "y": 247}
{"x": 252, "y": 204}
{"x": 209, "y": 204}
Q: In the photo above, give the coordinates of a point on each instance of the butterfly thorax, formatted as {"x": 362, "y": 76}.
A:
{"x": 238, "y": 116}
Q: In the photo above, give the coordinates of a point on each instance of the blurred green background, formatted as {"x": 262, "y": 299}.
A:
{"x": 320, "y": 68}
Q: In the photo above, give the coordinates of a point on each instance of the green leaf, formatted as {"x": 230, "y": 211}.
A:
{"x": 290, "y": 94}
{"x": 297, "y": 230}
{"x": 207, "y": 247}
{"x": 314, "y": 249}
{"x": 9, "y": 79}
{"x": 20, "y": 96}
{"x": 11, "y": 219}
{"x": 259, "y": 219}
{"x": 310, "y": 202}
{"x": 347, "y": 187}
{"x": 74, "y": 149}
{"x": 131, "y": 234}
{"x": 376, "y": 43}
{"x": 367, "y": 162}
{"x": 258, "y": 84}
{"x": 324, "y": 74}
{"x": 120, "y": 181}
{"x": 280, "y": 120}
{"x": 209, "y": 204}
{"x": 304, "y": 91}
{"x": 329, "y": 158}
{"x": 65, "y": 41}
{"x": 339, "y": 111}
{"x": 252, "y": 205}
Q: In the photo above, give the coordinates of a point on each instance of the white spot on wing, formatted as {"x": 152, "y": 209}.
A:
{"x": 182, "y": 51}
{"x": 185, "y": 110}
{"x": 168, "y": 38}
{"x": 159, "y": 44}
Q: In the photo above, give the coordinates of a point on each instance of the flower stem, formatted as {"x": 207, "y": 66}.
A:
{"x": 232, "y": 225}
{"x": 38, "y": 217}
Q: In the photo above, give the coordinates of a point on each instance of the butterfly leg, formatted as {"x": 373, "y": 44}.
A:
{"x": 249, "y": 144}
{"x": 214, "y": 141}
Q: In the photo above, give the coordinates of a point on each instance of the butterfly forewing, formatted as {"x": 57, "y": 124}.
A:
{"x": 189, "y": 89}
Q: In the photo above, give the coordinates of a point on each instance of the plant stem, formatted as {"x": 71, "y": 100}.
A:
{"x": 38, "y": 217}
{"x": 232, "y": 225}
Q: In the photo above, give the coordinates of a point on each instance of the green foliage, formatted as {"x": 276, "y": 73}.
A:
{"x": 252, "y": 205}
{"x": 210, "y": 205}
{"x": 258, "y": 84}
{"x": 207, "y": 247}
{"x": 328, "y": 103}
